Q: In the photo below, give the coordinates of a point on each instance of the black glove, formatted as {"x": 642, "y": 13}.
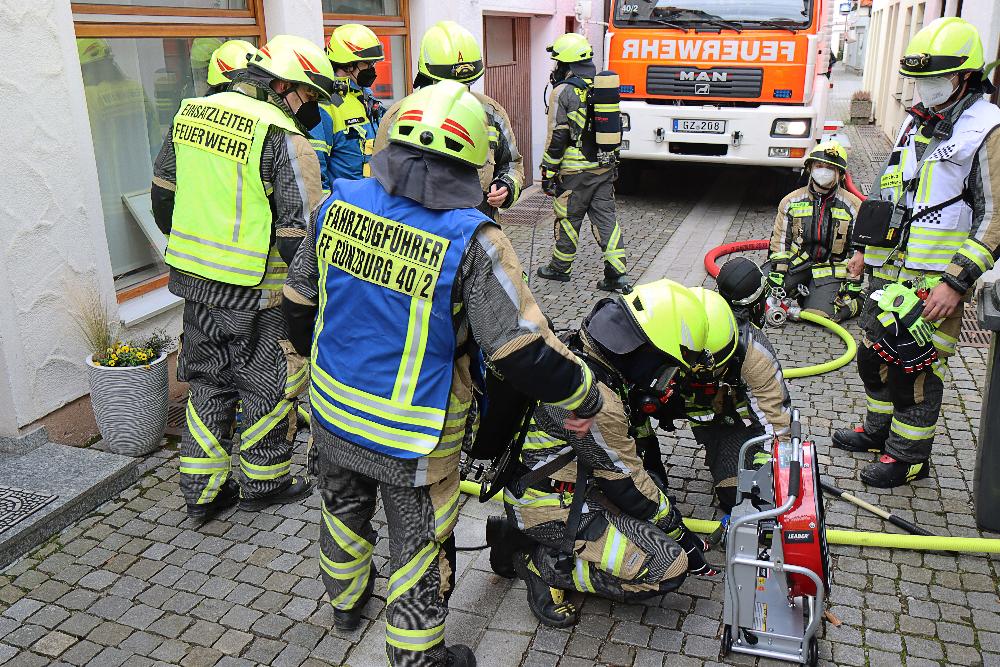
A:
{"x": 299, "y": 318}
{"x": 550, "y": 183}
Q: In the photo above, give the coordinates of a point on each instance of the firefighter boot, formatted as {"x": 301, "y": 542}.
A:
{"x": 614, "y": 283}
{"x": 460, "y": 655}
{"x": 889, "y": 472}
{"x": 550, "y": 273}
{"x": 857, "y": 440}
{"x": 504, "y": 540}
{"x": 547, "y": 604}
{"x": 296, "y": 489}
{"x": 695, "y": 548}
{"x": 348, "y": 620}
{"x": 226, "y": 498}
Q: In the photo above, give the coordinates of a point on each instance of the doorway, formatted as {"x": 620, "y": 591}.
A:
{"x": 508, "y": 77}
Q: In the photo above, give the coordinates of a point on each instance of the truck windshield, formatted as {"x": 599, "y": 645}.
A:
{"x": 735, "y": 14}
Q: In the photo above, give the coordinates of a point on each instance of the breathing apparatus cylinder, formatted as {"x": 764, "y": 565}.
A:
{"x": 607, "y": 117}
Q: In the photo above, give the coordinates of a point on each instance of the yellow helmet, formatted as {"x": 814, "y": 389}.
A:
{"x": 449, "y": 51}
{"x": 228, "y": 59}
{"x": 830, "y": 152}
{"x": 571, "y": 48}
{"x": 671, "y": 317}
{"x": 446, "y": 119}
{"x": 202, "y": 49}
{"x": 945, "y": 45}
{"x": 296, "y": 60}
{"x": 353, "y": 42}
{"x": 723, "y": 333}
{"x": 92, "y": 49}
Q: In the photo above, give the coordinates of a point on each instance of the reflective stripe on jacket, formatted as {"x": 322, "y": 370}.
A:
{"x": 812, "y": 227}
{"x": 382, "y": 370}
{"x": 345, "y": 137}
{"x": 221, "y": 224}
{"x": 935, "y": 192}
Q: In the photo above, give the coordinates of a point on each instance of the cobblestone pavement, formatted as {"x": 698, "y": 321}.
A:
{"x": 134, "y": 583}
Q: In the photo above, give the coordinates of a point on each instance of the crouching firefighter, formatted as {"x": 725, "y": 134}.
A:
{"x": 233, "y": 186}
{"x": 402, "y": 277}
{"x": 580, "y": 160}
{"x": 931, "y": 225}
{"x": 811, "y": 241}
{"x": 583, "y": 514}
{"x": 735, "y": 394}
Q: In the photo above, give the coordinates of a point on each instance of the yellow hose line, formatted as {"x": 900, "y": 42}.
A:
{"x": 834, "y": 364}
{"x": 850, "y": 537}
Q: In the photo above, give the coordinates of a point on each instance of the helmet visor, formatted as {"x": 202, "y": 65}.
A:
{"x": 924, "y": 64}
{"x": 375, "y": 52}
{"x": 464, "y": 71}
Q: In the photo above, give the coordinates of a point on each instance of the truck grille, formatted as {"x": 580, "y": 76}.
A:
{"x": 713, "y": 82}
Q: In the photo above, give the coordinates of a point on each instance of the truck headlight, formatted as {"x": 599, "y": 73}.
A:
{"x": 626, "y": 123}
{"x": 791, "y": 127}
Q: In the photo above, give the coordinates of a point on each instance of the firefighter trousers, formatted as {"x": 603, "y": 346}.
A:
{"x": 722, "y": 443}
{"x": 229, "y": 356}
{"x": 421, "y": 554}
{"x": 903, "y": 408}
{"x": 618, "y": 556}
{"x": 591, "y": 194}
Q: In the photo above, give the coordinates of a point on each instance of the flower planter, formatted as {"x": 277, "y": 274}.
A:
{"x": 130, "y": 405}
{"x": 861, "y": 111}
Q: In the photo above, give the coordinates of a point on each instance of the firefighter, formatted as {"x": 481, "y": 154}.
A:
{"x": 404, "y": 279}
{"x": 810, "y": 244}
{"x": 944, "y": 176}
{"x": 744, "y": 287}
{"x": 345, "y": 136}
{"x": 226, "y": 62}
{"x": 628, "y": 542}
{"x": 449, "y": 51}
{"x": 233, "y": 185}
{"x": 570, "y": 170}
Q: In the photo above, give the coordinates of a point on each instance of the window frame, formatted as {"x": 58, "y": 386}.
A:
{"x": 165, "y": 22}
{"x": 383, "y": 26}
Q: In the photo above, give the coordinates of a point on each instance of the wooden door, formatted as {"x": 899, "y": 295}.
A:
{"x": 508, "y": 77}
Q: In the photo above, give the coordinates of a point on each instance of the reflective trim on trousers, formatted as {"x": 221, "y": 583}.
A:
{"x": 879, "y": 407}
{"x": 910, "y": 432}
{"x": 446, "y": 516}
{"x": 264, "y": 425}
{"x": 414, "y": 640}
{"x": 581, "y": 577}
{"x": 614, "y": 551}
{"x": 259, "y": 472}
{"x": 407, "y": 576}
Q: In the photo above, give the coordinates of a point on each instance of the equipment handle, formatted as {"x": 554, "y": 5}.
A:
{"x": 794, "y": 478}
{"x": 796, "y": 427}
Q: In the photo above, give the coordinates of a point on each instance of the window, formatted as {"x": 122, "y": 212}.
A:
{"x": 499, "y": 37}
{"x": 138, "y": 63}
{"x": 387, "y": 19}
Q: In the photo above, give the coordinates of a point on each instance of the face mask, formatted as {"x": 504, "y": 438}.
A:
{"x": 824, "y": 177}
{"x": 366, "y": 77}
{"x": 934, "y": 91}
{"x": 308, "y": 114}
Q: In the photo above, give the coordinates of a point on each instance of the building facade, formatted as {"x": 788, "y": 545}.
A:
{"x": 91, "y": 89}
{"x": 893, "y": 23}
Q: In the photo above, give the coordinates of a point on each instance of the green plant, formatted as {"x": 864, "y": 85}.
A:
{"x": 141, "y": 352}
{"x": 93, "y": 319}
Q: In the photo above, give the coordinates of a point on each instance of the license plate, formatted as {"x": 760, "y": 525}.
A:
{"x": 697, "y": 125}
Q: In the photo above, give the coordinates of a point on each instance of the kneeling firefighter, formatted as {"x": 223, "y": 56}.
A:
{"x": 737, "y": 394}
{"x": 811, "y": 241}
{"x": 404, "y": 279}
{"x": 450, "y": 52}
{"x": 588, "y": 516}
{"x": 578, "y": 167}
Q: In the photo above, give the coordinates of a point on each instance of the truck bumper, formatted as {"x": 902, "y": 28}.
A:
{"x": 651, "y": 134}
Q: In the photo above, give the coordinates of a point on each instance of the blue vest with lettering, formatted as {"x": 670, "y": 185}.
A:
{"x": 384, "y": 341}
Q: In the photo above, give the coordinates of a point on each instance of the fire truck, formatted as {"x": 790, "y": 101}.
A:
{"x": 721, "y": 81}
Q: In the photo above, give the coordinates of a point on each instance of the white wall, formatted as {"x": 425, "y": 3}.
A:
{"x": 985, "y": 15}
{"x": 294, "y": 17}
{"x": 53, "y": 225}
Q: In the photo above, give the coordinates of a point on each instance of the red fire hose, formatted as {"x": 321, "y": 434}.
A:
{"x": 853, "y": 189}
{"x": 728, "y": 249}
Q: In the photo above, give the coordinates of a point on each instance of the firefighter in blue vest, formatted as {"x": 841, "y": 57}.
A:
{"x": 401, "y": 279}
{"x": 943, "y": 176}
{"x": 233, "y": 186}
{"x": 344, "y": 138}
